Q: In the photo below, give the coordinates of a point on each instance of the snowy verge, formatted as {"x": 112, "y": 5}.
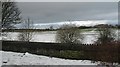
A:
{"x": 12, "y": 58}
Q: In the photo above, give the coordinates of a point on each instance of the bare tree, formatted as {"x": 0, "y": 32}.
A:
{"x": 106, "y": 34}
{"x": 27, "y": 34}
{"x": 10, "y": 14}
{"x": 68, "y": 34}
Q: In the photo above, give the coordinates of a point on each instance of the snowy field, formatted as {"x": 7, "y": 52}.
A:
{"x": 12, "y": 58}
{"x": 50, "y": 36}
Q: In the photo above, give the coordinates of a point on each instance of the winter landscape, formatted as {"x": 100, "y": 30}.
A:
{"x": 35, "y": 33}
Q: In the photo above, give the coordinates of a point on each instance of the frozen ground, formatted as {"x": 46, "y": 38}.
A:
{"x": 12, "y": 58}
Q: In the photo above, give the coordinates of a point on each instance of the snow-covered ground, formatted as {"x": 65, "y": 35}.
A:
{"x": 50, "y": 36}
{"x": 89, "y": 37}
{"x": 12, "y": 58}
{"x": 0, "y": 58}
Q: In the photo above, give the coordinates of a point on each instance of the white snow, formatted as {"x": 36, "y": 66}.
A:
{"x": 0, "y": 38}
{"x": 90, "y": 37}
{"x": 12, "y": 58}
{"x": 50, "y": 36}
{"x": 10, "y": 36}
{"x": 0, "y": 58}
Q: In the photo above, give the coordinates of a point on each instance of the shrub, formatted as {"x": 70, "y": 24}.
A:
{"x": 68, "y": 34}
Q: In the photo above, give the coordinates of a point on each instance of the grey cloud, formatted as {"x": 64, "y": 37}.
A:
{"x": 49, "y": 12}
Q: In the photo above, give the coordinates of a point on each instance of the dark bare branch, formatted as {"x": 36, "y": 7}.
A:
{"x": 10, "y": 14}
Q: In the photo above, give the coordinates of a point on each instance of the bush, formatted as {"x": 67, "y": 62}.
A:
{"x": 68, "y": 34}
{"x": 106, "y": 35}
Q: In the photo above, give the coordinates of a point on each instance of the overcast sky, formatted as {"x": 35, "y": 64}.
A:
{"x": 67, "y": 0}
{"x": 45, "y": 14}
{"x": 53, "y": 12}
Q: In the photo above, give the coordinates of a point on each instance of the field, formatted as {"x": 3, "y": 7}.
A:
{"x": 90, "y": 36}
